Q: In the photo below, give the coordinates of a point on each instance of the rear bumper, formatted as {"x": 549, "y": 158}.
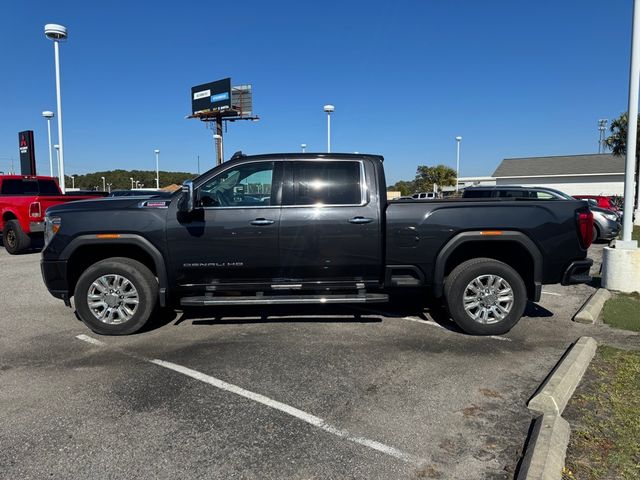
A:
{"x": 36, "y": 227}
{"x": 577, "y": 272}
{"x": 54, "y": 274}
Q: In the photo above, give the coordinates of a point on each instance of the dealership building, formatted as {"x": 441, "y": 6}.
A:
{"x": 594, "y": 174}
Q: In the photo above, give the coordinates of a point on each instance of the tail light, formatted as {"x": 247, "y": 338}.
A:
{"x": 34, "y": 210}
{"x": 585, "y": 228}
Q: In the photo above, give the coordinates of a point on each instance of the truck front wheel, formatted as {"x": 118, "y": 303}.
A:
{"x": 116, "y": 296}
{"x": 14, "y": 239}
{"x": 485, "y": 296}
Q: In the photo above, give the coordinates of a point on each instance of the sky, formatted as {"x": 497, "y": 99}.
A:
{"x": 513, "y": 78}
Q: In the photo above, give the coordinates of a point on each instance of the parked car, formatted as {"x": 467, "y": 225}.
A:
{"x": 23, "y": 202}
{"x": 424, "y": 196}
{"x": 606, "y": 224}
{"x": 326, "y": 235}
{"x": 601, "y": 201}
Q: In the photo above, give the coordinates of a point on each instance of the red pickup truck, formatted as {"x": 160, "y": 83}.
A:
{"x": 23, "y": 201}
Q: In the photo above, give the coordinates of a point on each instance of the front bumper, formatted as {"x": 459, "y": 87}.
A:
{"x": 609, "y": 229}
{"x": 577, "y": 272}
{"x": 54, "y": 274}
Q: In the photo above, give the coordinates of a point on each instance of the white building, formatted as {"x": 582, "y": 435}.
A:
{"x": 595, "y": 174}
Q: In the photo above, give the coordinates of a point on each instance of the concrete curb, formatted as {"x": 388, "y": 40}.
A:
{"x": 590, "y": 311}
{"x": 544, "y": 458}
{"x": 552, "y": 398}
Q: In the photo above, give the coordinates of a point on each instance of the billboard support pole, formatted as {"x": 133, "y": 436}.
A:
{"x": 218, "y": 137}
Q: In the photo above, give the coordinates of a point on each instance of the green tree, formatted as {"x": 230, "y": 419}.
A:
{"x": 441, "y": 175}
{"x": 617, "y": 142}
{"x": 405, "y": 187}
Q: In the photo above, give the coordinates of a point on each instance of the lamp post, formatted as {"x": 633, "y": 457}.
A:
{"x": 49, "y": 115}
{"x": 109, "y": 187}
{"x": 57, "y": 149}
{"x": 104, "y": 185}
{"x": 157, "y": 152}
{"x": 304, "y": 147}
{"x": 73, "y": 182}
{"x": 58, "y": 33}
{"x": 329, "y": 109}
{"x": 458, "y": 140}
{"x": 131, "y": 178}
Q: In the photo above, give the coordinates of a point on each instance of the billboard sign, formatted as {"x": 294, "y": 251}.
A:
{"x": 27, "y": 153}
{"x": 211, "y": 97}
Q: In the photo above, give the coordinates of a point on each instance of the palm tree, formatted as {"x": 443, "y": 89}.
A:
{"x": 617, "y": 143}
{"x": 441, "y": 175}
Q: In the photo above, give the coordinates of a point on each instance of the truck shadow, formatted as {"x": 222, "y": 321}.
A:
{"x": 364, "y": 314}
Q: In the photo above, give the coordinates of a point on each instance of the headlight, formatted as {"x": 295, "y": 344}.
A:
{"x": 51, "y": 227}
{"x": 610, "y": 216}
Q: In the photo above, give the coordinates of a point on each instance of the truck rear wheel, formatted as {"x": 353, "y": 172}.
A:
{"x": 485, "y": 296}
{"x": 116, "y": 296}
{"x": 14, "y": 239}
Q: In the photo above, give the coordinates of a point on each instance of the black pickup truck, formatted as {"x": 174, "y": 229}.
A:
{"x": 308, "y": 229}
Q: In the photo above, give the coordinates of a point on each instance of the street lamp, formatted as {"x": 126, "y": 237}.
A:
{"x": 49, "y": 115}
{"x": 73, "y": 181}
{"x": 157, "y": 152}
{"x": 458, "y": 140}
{"x": 329, "y": 109}
{"x": 57, "y": 148}
{"x": 104, "y": 185}
{"x": 109, "y": 187}
{"x": 304, "y": 147}
{"x": 58, "y": 33}
{"x": 131, "y": 178}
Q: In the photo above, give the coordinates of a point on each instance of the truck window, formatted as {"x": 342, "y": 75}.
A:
{"x": 515, "y": 194}
{"x": 247, "y": 185}
{"x": 477, "y": 193}
{"x": 48, "y": 187}
{"x": 19, "y": 187}
{"x": 327, "y": 183}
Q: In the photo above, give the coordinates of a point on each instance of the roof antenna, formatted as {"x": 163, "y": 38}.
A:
{"x": 237, "y": 155}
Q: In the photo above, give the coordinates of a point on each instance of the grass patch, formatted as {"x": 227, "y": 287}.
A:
{"x": 605, "y": 425}
{"x": 635, "y": 235}
{"x": 623, "y": 311}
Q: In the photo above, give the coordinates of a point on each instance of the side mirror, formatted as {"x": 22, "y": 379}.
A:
{"x": 186, "y": 203}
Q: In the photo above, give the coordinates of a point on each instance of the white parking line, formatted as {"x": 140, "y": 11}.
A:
{"x": 269, "y": 402}
{"x": 435, "y": 324}
{"x": 553, "y": 293}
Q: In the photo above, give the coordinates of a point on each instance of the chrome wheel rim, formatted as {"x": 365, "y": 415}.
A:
{"x": 488, "y": 299}
{"x": 113, "y": 299}
{"x": 11, "y": 238}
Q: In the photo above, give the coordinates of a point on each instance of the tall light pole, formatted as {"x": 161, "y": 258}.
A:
{"x": 131, "y": 178}
{"x": 157, "y": 152}
{"x": 73, "y": 181}
{"x": 49, "y": 115}
{"x": 109, "y": 187}
{"x": 57, "y": 149}
{"x": 58, "y": 33}
{"x": 304, "y": 147}
{"x": 104, "y": 185}
{"x": 458, "y": 140}
{"x": 329, "y": 109}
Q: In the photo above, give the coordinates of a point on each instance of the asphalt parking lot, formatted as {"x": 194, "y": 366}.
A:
{"x": 270, "y": 393}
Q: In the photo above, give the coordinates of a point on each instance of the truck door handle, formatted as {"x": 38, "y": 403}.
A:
{"x": 262, "y": 221}
{"x": 359, "y": 220}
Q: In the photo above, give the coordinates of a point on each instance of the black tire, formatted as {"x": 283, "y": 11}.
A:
{"x": 595, "y": 236}
{"x": 144, "y": 282}
{"x": 14, "y": 239}
{"x": 461, "y": 276}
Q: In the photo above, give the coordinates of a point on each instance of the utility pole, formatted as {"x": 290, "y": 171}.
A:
{"x": 218, "y": 139}
{"x": 602, "y": 127}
